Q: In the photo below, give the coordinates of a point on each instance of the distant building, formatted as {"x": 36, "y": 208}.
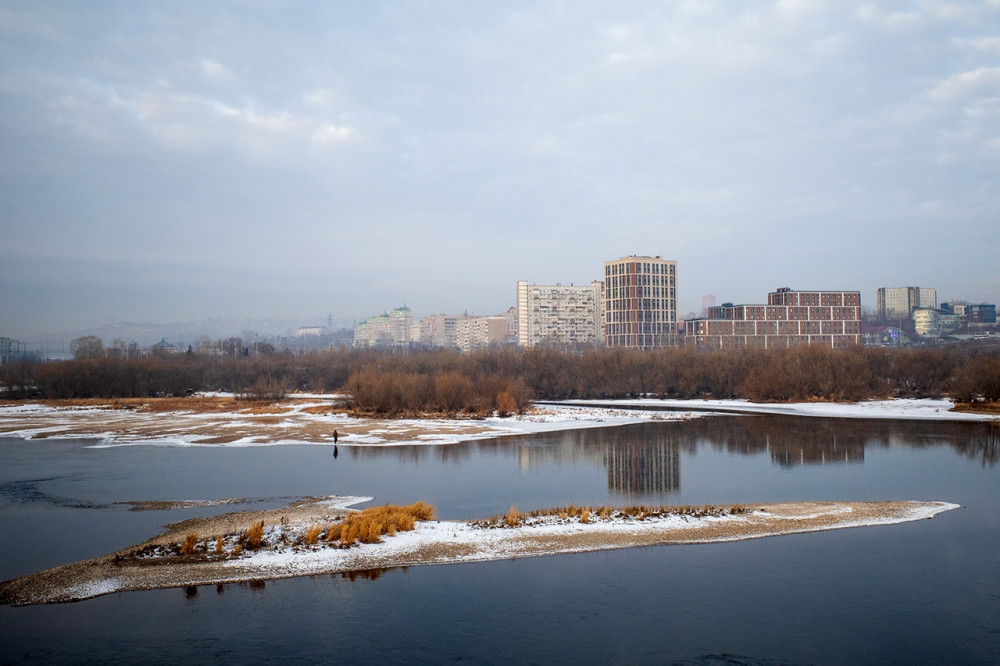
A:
{"x": 707, "y": 301}
{"x": 385, "y": 330}
{"x": 472, "y": 333}
{"x": 789, "y": 319}
{"x": 883, "y": 336}
{"x": 640, "y": 303}
{"x": 439, "y": 330}
{"x": 898, "y": 302}
{"x": 982, "y": 313}
{"x": 931, "y": 321}
{"x": 310, "y": 330}
{"x": 12, "y": 350}
{"x": 558, "y": 314}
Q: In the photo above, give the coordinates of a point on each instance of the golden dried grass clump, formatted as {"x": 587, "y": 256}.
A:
{"x": 190, "y": 541}
{"x": 312, "y": 534}
{"x": 513, "y": 517}
{"x": 253, "y": 536}
{"x": 369, "y": 525}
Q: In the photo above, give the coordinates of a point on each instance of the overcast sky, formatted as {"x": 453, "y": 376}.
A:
{"x": 175, "y": 161}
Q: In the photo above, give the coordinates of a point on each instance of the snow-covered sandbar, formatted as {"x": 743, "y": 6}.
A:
{"x": 285, "y": 555}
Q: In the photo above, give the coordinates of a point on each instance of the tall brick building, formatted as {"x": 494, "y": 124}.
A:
{"x": 640, "y": 303}
{"x": 790, "y": 318}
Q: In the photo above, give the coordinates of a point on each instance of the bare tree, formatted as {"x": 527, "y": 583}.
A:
{"x": 87, "y": 346}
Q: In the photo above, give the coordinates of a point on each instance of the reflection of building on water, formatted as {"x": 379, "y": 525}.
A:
{"x": 823, "y": 445}
{"x": 643, "y": 467}
{"x": 640, "y": 459}
{"x": 817, "y": 453}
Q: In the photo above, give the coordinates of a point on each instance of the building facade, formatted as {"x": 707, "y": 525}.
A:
{"x": 472, "y": 333}
{"x": 439, "y": 330}
{"x": 558, "y": 314}
{"x": 934, "y": 322}
{"x": 898, "y": 302}
{"x": 790, "y": 318}
{"x": 640, "y": 303}
{"x": 390, "y": 329}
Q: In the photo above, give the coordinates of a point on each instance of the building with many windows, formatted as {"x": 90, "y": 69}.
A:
{"x": 640, "y": 303}
{"x": 391, "y": 329}
{"x": 472, "y": 333}
{"x": 558, "y": 314}
{"x": 790, "y": 318}
{"x": 899, "y": 302}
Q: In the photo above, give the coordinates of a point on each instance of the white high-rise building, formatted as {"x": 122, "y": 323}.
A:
{"x": 385, "y": 330}
{"x": 640, "y": 302}
{"x": 558, "y": 314}
{"x": 899, "y": 302}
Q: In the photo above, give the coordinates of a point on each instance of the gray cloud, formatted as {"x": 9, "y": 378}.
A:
{"x": 180, "y": 161}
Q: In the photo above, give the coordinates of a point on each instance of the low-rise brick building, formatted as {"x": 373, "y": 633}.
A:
{"x": 788, "y": 319}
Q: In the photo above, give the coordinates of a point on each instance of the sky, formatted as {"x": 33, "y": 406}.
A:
{"x": 179, "y": 161}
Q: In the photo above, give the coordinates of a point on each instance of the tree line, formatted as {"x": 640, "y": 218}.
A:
{"x": 508, "y": 379}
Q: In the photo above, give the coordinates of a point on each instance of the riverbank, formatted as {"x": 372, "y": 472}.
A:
{"x": 286, "y": 553}
{"x": 313, "y": 419}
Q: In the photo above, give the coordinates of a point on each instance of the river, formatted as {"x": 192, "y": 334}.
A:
{"x": 923, "y": 592}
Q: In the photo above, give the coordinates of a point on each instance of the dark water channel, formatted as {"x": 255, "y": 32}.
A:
{"x": 923, "y": 592}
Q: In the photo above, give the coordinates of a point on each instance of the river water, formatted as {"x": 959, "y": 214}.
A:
{"x": 921, "y": 592}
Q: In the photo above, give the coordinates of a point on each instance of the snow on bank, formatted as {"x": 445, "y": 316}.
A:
{"x": 441, "y": 542}
{"x": 917, "y": 409}
{"x": 310, "y": 420}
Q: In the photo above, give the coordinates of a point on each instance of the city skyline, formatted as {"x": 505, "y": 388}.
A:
{"x": 195, "y": 162}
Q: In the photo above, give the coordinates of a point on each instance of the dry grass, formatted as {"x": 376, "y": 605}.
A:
{"x": 513, "y": 517}
{"x": 369, "y": 525}
{"x": 220, "y": 543}
{"x": 312, "y": 534}
{"x": 585, "y": 514}
{"x": 253, "y": 536}
{"x": 977, "y": 407}
{"x": 193, "y": 404}
{"x": 190, "y": 542}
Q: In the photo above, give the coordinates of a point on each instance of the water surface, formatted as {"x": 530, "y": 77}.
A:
{"x": 924, "y": 592}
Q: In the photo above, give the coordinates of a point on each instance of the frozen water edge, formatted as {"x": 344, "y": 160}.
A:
{"x": 899, "y": 408}
{"x": 299, "y": 424}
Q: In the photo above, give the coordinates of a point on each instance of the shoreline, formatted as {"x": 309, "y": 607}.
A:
{"x": 312, "y": 419}
{"x": 431, "y": 542}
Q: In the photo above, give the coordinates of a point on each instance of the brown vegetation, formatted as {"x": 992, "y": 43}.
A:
{"x": 190, "y": 542}
{"x": 586, "y": 514}
{"x": 506, "y": 380}
{"x": 369, "y": 525}
{"x": 253, "y": 537}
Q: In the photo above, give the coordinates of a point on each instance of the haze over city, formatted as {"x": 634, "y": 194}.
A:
{"x": 181, "y": 161}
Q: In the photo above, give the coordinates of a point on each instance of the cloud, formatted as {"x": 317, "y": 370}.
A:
{"x": 751, "y": 142}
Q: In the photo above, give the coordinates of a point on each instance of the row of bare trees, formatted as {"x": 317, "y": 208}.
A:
{"x": 507, "y": 379}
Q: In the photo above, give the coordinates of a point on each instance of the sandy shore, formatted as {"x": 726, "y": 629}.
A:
{"x": 149, "y": 566}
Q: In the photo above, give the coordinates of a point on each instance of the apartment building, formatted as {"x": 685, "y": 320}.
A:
{"x": 558, "y": 314}
{"x": 899, "y": 302}
{"x": 790, "y": 318}
{"x": 640, "y": 303}
{"x": 390, "y": 329}
{"x": 473, "y": 333}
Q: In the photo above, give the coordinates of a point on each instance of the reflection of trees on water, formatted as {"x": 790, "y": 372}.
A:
{"x": 983, "y": 445}
{"x": 647, "y": 455}
{"x": 791, "y": 442}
